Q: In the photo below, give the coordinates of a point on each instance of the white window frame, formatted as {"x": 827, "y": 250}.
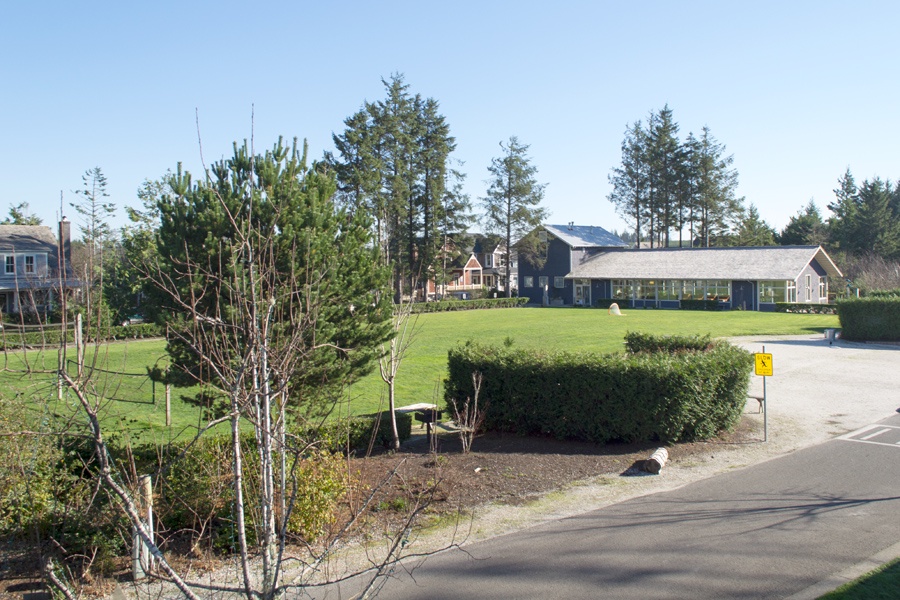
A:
{"x": 559, "y": 282}
{"x": 823, "y": 290}
{"x": 30, "y": 269}
{"x": 543, "y": 281}
{"x": 528, "y": 281}
{"x": 9, "y": 264}
{"x": 809, "y": 288}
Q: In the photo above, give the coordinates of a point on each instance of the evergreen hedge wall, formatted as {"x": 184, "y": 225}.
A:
{"x": 666, "y": 396}
{"x": 454, "y": 305}
{"x": 873, "y": 318}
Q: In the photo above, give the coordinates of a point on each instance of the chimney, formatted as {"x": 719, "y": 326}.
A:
{"x": 65, "y": 247}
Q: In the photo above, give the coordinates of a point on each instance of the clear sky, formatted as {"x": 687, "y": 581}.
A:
{"x": 798, "y": 91}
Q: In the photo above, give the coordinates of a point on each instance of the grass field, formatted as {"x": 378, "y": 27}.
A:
{"x": 139, "y": 409}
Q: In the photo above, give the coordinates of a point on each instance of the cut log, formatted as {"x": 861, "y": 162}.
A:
{"x": 657, "y": 461}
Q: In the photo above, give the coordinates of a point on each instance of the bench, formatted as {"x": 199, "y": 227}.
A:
{"x": 761, "y": 400}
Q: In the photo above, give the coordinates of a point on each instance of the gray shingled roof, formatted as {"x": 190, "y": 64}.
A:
{"x": 27, "y": 238}
{"x": 585, "y": 236}
{"x": 755, "y": 264}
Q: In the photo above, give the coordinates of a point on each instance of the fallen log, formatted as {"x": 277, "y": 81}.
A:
{"x": 657, "y": 461}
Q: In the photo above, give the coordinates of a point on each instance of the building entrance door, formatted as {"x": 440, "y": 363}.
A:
{"x": 582, "y": 292}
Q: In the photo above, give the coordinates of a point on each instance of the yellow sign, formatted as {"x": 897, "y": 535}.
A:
{"x": 763, "y": 364}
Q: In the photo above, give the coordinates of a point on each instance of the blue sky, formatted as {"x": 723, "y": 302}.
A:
{"x": 797, "y": 91}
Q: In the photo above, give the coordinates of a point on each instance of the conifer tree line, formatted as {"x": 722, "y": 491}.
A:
{"x": 667, "y": 187}
{"x": 394, "y": 163}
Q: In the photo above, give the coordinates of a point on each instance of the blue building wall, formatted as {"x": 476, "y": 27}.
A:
{"x": 558, "y": 264}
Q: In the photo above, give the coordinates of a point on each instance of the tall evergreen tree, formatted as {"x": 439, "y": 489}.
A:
{"x": 20, "y": 214}
{"x": 96, "y": 234}
{"x": 665, "y": 159}
{"x": 878, "y": 219}
{"x": 804, "y": 229}
{"x": 754, "y": 231}
{"x": 393, "y": 163}
{"x": 630, "y": 181}
{"x": 512, "y": 204}
{"x": 717, "y": 209}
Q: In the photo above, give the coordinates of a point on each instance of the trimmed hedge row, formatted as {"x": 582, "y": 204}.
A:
{"x": 646, "y": 396}
{"x": 453, "y": 305}
{"x": 873, "y": 318}
{"x": 646, "y": 342}
{"x": 701, "y": 305}
{"x": 12, "y": 337}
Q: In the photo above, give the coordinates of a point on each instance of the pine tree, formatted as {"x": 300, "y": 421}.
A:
{"x": 630, "y": 180}
{"x": 754, "y": 231}
{"x": 512, "y": 204}
{"x": 804, "y": 229}
{"x": 20, "y": 214}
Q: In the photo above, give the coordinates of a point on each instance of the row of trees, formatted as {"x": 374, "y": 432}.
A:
{"x": 666, "y": 186}
{"x": 394, "y": 163}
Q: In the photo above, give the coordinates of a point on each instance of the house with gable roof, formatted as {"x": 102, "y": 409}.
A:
{"x": 30, "y": 261}
{"x": 565, "y": 247}
{"x": 751, "y": 278}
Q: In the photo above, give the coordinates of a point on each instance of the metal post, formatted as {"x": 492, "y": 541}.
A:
{"x": 765, "y": 408}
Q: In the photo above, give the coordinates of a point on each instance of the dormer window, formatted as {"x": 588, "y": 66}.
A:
{"x": 10, "y": 265}
{"x": 29, "y": 264}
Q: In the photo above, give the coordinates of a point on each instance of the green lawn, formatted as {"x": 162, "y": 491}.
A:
{"x": 571, "y": 329}
{"x": 882, "y": 583}
{"x": 136, "y": 407}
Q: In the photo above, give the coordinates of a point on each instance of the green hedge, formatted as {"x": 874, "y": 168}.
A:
{"x": 884, "y": 293}
{"x": 14, "y": 337}
{"x": 806, "y": 308}
{"x": 701, "y": 305}
{"x": 454, "y": 305}
{"x": 646, "y": 342}
{"x": 646, "y": 396}
{"x": 874, "y": 318}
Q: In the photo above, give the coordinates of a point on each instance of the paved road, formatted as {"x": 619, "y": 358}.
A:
{"x": 765, "y": 531}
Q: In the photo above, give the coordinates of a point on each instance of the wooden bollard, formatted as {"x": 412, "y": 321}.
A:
{"x": 657, "y": 461}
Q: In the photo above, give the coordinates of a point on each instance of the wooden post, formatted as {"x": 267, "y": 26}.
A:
{"x": 79, "y": 346}
{"x": 141, "y": 560}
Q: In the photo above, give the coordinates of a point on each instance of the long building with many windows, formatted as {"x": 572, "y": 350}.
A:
{"x": 577, "y": 271}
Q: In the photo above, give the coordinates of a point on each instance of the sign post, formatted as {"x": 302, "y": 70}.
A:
{"x": 764, "y": 369}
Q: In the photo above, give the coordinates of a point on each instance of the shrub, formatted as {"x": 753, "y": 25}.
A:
{"x": 321, "y": 481}
{"x": 806, "y": 308}
{"x": 647, "y": 342}
{"x": 455, "y": 305}
{"x": 600, "y": 398}
{"x": 701, "y": 305}
{"x": 873, "y": 318}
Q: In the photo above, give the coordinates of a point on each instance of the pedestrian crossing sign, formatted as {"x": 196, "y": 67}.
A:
{"x": 763, "y": 364}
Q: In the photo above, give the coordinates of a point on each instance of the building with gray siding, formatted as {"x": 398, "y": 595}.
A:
{"x": 752, "y": 278}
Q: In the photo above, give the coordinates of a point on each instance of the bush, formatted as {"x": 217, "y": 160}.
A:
{"x": 806, "y": 308}
{"x": 646, "y": 396}
{"x": 645, "y": 342}
{"x": 454, "y": 305}
{"x": 873, "y": 318}
{"x": 701, "y": 305}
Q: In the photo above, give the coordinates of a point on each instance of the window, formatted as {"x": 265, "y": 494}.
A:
{"x": 476, "y": 279}
{"x": 777, "y": 291}
{"x": 10, "y": 264}
{"x": 559, "y": 282}
{"x": 542, "y": 281}
{"x": 489, "y": 260}
{"x": 823, "y": 289}
{"x": 668, "y": 290}
{"x": 29, "y": 264}
{"x": 808, "y": 288}
{"x": 620, "y": 289}
{"x": 529, "y": 281}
